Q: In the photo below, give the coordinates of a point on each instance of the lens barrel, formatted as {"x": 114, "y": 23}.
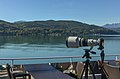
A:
{"x": 72, "y": 42}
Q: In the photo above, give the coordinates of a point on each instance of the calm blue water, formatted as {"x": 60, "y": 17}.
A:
{"x": 20, "y": 47}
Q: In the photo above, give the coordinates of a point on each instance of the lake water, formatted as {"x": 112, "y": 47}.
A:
{"x": 44, "y": 46}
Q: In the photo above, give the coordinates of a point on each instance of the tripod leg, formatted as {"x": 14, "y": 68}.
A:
{"x": 103, "y": 71}
{"x": 92, "y": 71}
{"x": 82, "y": 72}
{"x": 86, "y": 70}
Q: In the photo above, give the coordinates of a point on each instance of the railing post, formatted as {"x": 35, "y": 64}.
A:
{"x": 70, "y": 60}
{"x": 12, "y": 63}
{"x": 116, "y": 58}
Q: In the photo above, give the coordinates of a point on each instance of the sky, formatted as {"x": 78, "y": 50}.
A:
{"x": 97, "y": 12}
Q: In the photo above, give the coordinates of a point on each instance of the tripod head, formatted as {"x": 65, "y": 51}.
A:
{"x": 87, "y": 53}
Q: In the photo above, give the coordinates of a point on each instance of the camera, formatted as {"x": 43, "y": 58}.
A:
{"x": 75, "y": 42}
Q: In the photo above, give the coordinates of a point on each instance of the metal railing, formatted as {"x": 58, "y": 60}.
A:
{"x": 55, "y": 57}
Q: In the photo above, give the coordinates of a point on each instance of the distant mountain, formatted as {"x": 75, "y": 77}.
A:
{"x": 114, "y": 26}
{"x": 51, "y": 27}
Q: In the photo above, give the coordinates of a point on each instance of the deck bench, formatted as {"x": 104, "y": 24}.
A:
{"x": 45, "y": 71}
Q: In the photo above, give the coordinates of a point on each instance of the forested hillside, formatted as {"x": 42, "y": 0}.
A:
{"x": 51, "y": 27}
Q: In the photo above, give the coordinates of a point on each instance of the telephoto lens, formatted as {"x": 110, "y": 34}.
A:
{"x": 75, "y": 42}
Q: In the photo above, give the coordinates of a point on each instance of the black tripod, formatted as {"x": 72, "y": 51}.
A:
{"x": 104, "y": 74}
{"x": 87, "y": 64}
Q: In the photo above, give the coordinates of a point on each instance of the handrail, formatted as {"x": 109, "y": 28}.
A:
{"x": 35, "y": 58}
{"x": 54, "y": 57}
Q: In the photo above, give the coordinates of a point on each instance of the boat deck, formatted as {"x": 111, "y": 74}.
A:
{"x": 46, "y": 71}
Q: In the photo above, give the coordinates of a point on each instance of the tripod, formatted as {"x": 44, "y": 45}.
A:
{"x": 87, "y": 64}
{"x": 104, "y": 74}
